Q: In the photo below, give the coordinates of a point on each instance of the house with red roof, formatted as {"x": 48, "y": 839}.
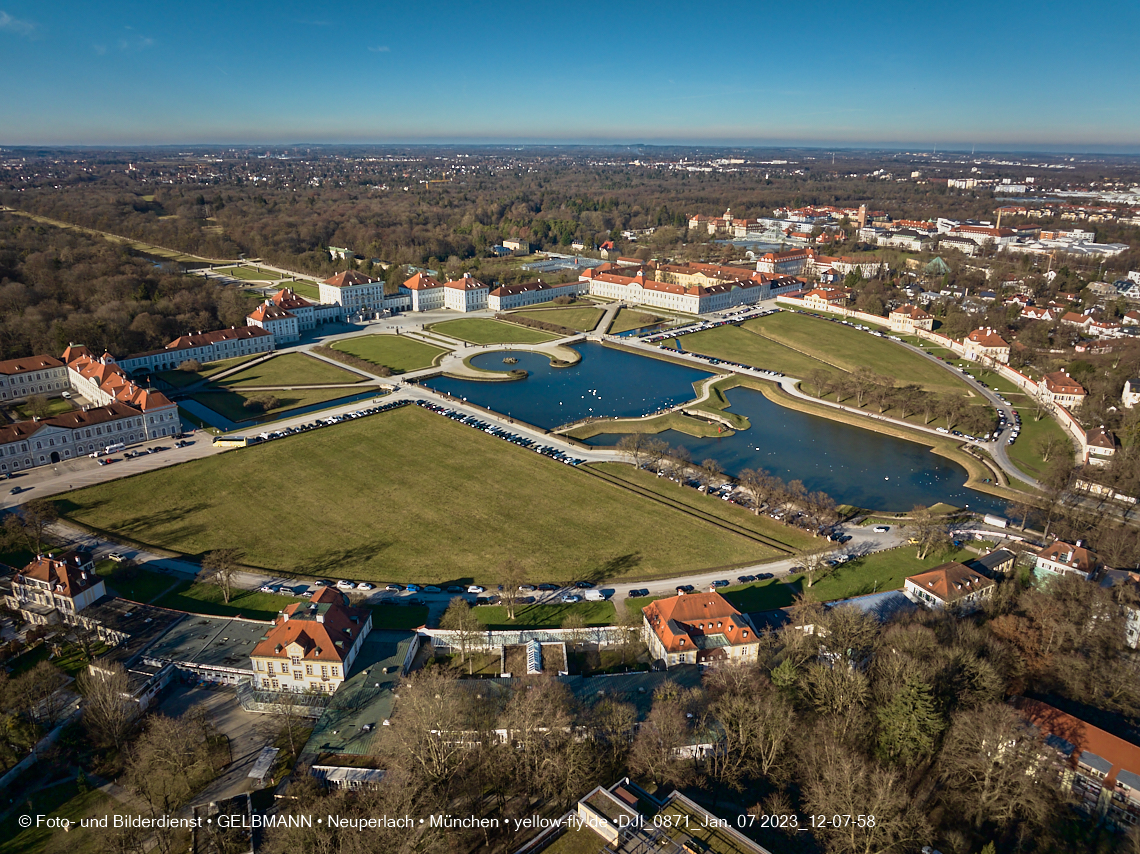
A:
{"x": 698, "y": 628}
{"x": 312, "y": 645}
{"x": 353, "y": 291}
{"x": 1099, "y": 770}
{"x": 1099, "y": 446}
{"x": 825, "y": 299}
{"x": 1061, "y": 389}
{"x": 1061, "y": 558}
{"x": 426, "y": 293}
{"x": 951, "y": 585}
{"x": 983, "y": 344}
{"x": 282, "y": 323}
{"x": 56, "y": 589}
{"x": 907, "y": 318}
{"x": 507, "y": 297}
{"x": 465, "y": 294}
{"x": 44, "y": 375}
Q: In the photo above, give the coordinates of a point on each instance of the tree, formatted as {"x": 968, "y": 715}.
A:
{"x": 655, "y": 752}
{"x": 814, "y": 563}
{"x": 575, "y": 623}
{"x": 909, "y": 725}
{"x": 822, "y": 381}
{"x": 931, "y": 532}
{"x": 108, "y": 710}
{"x": 36, "y": 694}
{"x": 221, "y": 568}
{"x": 654, "y": 450}
{"x": 679, "y": 461}
{"x": 513, "y": 575}
{"x": 632, "y": 447}
{"x": 460, "y": 619}
{"x": 190, "y": 366}
{"x": 38, "y": 406}
{"x": 708, "y": 472}
{"x": 261, "y": 403}
{"x": 30, "y": 524}
{"x": 1050, "y": 445}
{"x": 759, "y": 485}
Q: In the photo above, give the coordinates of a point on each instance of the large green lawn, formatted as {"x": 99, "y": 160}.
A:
{"x": 581, "y": 318}
{"x": 843, "y": 348}
{"x": 1024, "y": 451}
{"x": 249, "y": 274}
{"x": 304, "y": 289}
{"x": 290, "y": 369}
{"x": 398, "y": 352}
{"x": 136, "y": 584}
{"x": 628, "y": 318}
{"x": 230, "y": 403}
{"x": 478, "y": 330}
{"x": 878, "y": 572}
{"x": 206, "y": 598}
{"x": 545, "y": 616}
{"x": 407, "y": 496}
{"x": 55, "y": 406}
{"x": 181, "y": 379}
{"x": 736, "y": 344}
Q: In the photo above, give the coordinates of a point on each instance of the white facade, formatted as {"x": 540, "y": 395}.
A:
{"x": 44, "y": 375}
{"x": 466, "y": 294}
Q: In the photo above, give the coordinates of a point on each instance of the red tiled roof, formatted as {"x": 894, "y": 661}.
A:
{"x": 64, "y": 574}
{"x": 951, "y": 581}
{"x": 525, "y": 287}
{"x": 1122, "y": 755}
{"x": 287, "y": 298}
{"x": 269, "y": 312}
{"x": 1074, "y": 557}
{"x": 1060, "y": 382}
{"x": 422, "y": 282}
{"x": 679, "y": 619}
{"x": 317, "y": 627}
{"x": 14, "y": 367}
{"x": 348, "y": 278}
{"x": 987, "y": 338}
{"x": 203, "y": 339}
{"x": 466, "y": 283}
{"x": 913, "y": 312}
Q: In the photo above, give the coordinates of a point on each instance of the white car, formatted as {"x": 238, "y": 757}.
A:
{"x": 117, "y": 557}
{"x": 364, "y": 585}
{"x": 570, "y": 597}
{"x": 475, "y": 588}
{"x": 265, "y": 588}
{"x": 346, "y": 585}
{"x": 881, "y": 529}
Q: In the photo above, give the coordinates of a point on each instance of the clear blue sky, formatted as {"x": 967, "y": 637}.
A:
{"x": 999, "y": 74}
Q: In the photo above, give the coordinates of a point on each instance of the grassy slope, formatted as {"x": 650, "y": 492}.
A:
{"x": 628, "y": 318}
{"x": 290, "y": 369}
{"x": 582, "y": 319}
{"x": 406, "y": 496}
{"x": 1024, "y": 451}
{"x": 180, "y": 379}
{"x": 736, "y": 344}
{"x": 230, "y": 403}
{"x": 398, "y": 352}
{"x": 478, "y": 330}
{"x": 64, "y": 801}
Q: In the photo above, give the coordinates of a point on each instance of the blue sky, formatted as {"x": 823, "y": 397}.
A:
{"x": 1013, "y": 74}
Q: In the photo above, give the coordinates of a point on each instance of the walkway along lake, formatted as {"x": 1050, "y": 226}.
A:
{"x": 852, "y": 465}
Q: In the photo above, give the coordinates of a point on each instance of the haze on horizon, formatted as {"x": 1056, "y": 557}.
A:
{"x": 1012, "y": 76}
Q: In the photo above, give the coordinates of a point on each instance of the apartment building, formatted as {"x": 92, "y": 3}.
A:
{"x": 56, "y": 589}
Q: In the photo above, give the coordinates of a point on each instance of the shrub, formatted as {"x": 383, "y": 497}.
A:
{"x": 190, "y": 366}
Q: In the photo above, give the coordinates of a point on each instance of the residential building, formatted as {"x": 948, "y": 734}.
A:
{"x": 56, "y": 589}
{"x": 985, "y": 235}
{"x": 1131, "y": 394}
{"x": 283, "y": 324}
{"x": 311, "y": 645}
{"x": 1061, "y": 389}
{"x": 353, "y": 291}
{"x": 984, "y": 344}
{"x": 517, "y": 244}
{"x": 1039, "y": 313}
{"x": 426, "y": 293}
{"x": 1099, "y": 446}
{"x": 1100, "y": 770}
{"x": 1076, "y": 318}
{"x": 951, "y": 585}
{"x": 1060, "y": 558}
{"x": 996, "y": 564}
{"x": 44, "y": 375}
{"x": 826, "y": 299}
{"x": 907, "y": 318}
{"x": 465, "y": 294}
{"x": 698, "y": 628}
{"x": 962, "y": 244}
{"x": 507, "y": 297}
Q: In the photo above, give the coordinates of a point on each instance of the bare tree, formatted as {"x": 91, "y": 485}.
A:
{"x": 221, "y": 567}
{"x": 109, "y": 711}
{"x": 813, "y": 561}
{"x": 931, "y": 532}
{"x": 38, "y": 406}
{"x": 679, "y": 461}
{"x": 513, "y": 576}
{"x": 30, "y": 523}
{"x": 708, "y": 472}
{"x": 632, "y": 447}
{"x": 654, "y": 451}
{"x": 460, "y": 619}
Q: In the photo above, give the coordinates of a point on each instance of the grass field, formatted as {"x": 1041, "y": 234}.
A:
{"x": 304, "y": 289}
{"x": 415, "y": 497}
{"x": 55, "y": 406}
{"x": 62, "y": 801}
{"x": 878, "y": 572}
{"x": 398, "y": 352}
{"x": 628, "y": 318}
{"x": 203, "y": 598}
{"x": 477, "y": 330}
{"x": 388, "y": 616}
{"x": 737, "y": 344}
{"x": 290, "y": 369}
{"x": 762, "y": 596}
{"x": 1024, "y": 451}
{"x": 546, "y": 616}
{"x": 138, "y": 585}
{"x": 582, "y": 318}
{"x": 249, "y": 274}
{"x": 230, "y": 403}
{"x": 181, "y": 379}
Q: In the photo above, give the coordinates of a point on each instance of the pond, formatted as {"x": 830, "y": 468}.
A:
{"x": 853, "y": 465}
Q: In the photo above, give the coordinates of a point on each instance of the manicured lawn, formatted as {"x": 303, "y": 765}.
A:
{"x": 180, "y": 379}
{"x": 878, "y": 572}
{"x": 290, "y": 369}
{"x": 478, "y": 330}
{"x": 846, "y": 349}
{"x": 250, "y": 274}
{"x": 1024, "y": 451}
{"x": 398, "y": 352}
{"x": 764, "y": 596}
{"x": 63, "y": 801}
{"x": 407, "y": 496}
{"x": 399, "y": 616}
{"x": 546, "y": 616}
{"x": 304, "y": 289}
{"x": 204, "y": 598}
{"x": 55, "y": 406}
{"x": 735, "y": 344}
{"x": 138, "y": 585}
{"x": 581, "y": 318}
{"x": 628, "y": 318}
{"x": 231, "y": 403}
{"x": 726, "y": 510}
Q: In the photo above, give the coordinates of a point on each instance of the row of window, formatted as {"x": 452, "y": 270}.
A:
{"x": 296, "y": 662}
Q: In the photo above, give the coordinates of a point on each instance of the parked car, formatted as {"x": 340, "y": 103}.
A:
{"x": 431, "y": 588}
{"x": 412, "y": 588}
{"x": 527, "y": 588}
{"x": 117, "y": 557}
{"x": 881, "y": 529}
{"x": 571, "y": 597}
{"x": 393, "y": 587}
{"x": 584, "y": 585}
{"x": 346, "y": 585}
{"x": 475, "y": 588}
{"x": 364, "y": 585}
{"x": 265, "y": 588}
{"x": 636, "y": 594}
{"x": 454, "y": 588}
{"x": 720, "y": 582}
{"x": 548, "y": 587}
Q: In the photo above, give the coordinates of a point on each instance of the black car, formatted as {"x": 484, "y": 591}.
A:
{"x": 584, "y": 585}
{"x": 636, "y": 594}
{"x": 548, "y": 586}
{"x": 455, "y": 588}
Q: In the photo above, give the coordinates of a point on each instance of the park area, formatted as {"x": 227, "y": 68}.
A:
{"x": 582, "y": 318}
{"x": 250, "y": 274}
{"x": 408, "y": 496}
{"x": 628, "y": 318}
{"x": 398, "y": 353}
{"x": 231, "y": 403}
{"x": 477, "y": 330}
{"x": 291, "y": 369}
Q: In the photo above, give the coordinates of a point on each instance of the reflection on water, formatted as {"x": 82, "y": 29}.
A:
{"x": 853, "y": 465}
